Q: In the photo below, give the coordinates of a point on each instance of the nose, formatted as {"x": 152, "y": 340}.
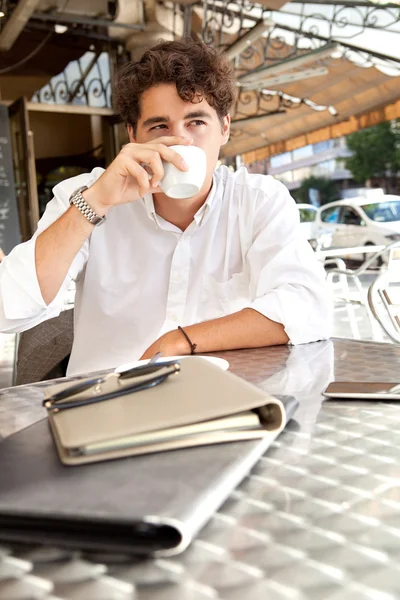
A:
{"x": 179, "y": 129}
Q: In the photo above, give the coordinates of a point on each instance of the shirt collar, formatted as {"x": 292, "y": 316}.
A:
{"x": 198, "y": 217}
{"x": 149, "y": 205}
{"x": 206, "y": 207}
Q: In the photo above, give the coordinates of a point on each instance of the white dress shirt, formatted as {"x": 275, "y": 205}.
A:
{"x": 138, "y": 276}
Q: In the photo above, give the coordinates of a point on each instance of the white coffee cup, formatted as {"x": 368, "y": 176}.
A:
{"x": 185, "y": 184}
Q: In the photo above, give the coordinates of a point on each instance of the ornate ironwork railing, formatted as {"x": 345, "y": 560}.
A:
{"x": 297, "y": 28}
{"x": 84, "y": 81}
{"x": 307, "y": 25}
{"x": 343, "y": 20}
{"x": 222, "y": 16}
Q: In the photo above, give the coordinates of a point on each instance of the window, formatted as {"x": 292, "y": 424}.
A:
{"x": 285, "y": 178}
{"x": 280, "y": 160}
{"x": 330, "y": 215}
{"x": 303, "y": 152}
{"x": 339, "y": 143}
{"x": 307, "y": 214}
{"x": 350, "y": 217}
{"x": 383, "y": 212}
{"x": 302, "y": 173}
{"x": 325, "y": 168}
{"x": 322, "y": 146}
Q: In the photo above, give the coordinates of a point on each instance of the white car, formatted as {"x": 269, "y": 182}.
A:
{"x": 359, "y": 222}
{"x": 307, "y": 213}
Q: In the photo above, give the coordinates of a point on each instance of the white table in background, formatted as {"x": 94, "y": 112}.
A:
{"x": 345, "y": 252}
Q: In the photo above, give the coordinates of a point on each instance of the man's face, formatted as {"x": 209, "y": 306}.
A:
{"x": 163, "y": 113}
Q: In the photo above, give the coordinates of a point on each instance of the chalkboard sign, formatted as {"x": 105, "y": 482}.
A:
{"x": 9, "y": 223}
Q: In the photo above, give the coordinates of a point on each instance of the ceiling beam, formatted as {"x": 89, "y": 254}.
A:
{"x": 81, "y": 20}
{"x": 252, "y": 35}
{"x": 335, "y": 76}
{"x": 287, "y": 78}
{"x": 16, "y": 22}
{"x": 258, "y": 75}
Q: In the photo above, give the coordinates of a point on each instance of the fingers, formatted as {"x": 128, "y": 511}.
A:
{"x": 157, "y": 169}
{"x": 134, "y": 157}
{"x": 142, "y": 160}
{"x": 170, "y": 155}
{"x": 135, "y": 170}
{"x": 153, "y": 154}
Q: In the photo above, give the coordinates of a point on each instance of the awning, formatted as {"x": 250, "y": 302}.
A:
{"x": 318, "y": 70}
{"x": 357, "y": 97}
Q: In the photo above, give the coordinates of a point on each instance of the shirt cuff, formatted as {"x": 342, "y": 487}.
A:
{"x": 298, "y": 325}
{"x": 21, "y": 293}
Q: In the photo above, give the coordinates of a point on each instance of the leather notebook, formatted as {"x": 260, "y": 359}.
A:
{"x": 198, "y": 404}
{"x": 153, "y": 504}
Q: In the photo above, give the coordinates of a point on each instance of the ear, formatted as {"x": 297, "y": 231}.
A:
{"x": 131, "y": 134}
{"x": 226, "y": 129}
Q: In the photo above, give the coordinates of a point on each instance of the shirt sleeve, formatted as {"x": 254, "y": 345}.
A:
{"x": 21, "y": 302}
{"x": 287, "y": 281}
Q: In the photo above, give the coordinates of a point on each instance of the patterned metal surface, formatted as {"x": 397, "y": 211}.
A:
{"x": 318, "y": 516}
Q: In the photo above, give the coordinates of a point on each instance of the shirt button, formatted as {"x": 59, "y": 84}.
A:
{"x": 174, "y": 318}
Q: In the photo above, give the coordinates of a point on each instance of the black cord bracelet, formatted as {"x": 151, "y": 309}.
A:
{"x": 189, "y": 341}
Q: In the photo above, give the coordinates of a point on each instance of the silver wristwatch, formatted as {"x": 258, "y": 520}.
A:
{"x": 79, "y": 201}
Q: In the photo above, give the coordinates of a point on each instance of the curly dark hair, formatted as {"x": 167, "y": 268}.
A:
{"x": 197, "y": 70}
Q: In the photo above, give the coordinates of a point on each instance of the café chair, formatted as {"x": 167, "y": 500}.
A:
{"x": 343, "y": 276}
{"x": 44, "y": 350}
{"x": 384, "y": 297}
{"x": 339, "y": 283}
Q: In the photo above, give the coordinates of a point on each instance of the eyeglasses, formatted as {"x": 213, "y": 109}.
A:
{"x": 150, "y": 375}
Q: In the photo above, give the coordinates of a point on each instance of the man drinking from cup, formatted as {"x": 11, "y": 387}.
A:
{"x": 224, "y": 268}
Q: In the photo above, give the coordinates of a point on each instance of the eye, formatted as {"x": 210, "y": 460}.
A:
{"x": 198, "y": 122}
{"x": 157, "y": 127}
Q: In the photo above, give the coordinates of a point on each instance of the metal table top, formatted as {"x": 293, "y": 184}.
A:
{"x": 318, "y": 516}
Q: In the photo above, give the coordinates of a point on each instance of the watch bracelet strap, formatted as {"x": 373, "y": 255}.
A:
{"x": 79, "y": 201}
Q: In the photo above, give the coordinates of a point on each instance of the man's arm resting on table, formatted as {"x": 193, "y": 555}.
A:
{"x": 244, "y": 329}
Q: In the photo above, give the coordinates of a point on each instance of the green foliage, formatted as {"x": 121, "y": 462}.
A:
{"x": 376, "y": 151}
{"x": 328, "y": 190}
